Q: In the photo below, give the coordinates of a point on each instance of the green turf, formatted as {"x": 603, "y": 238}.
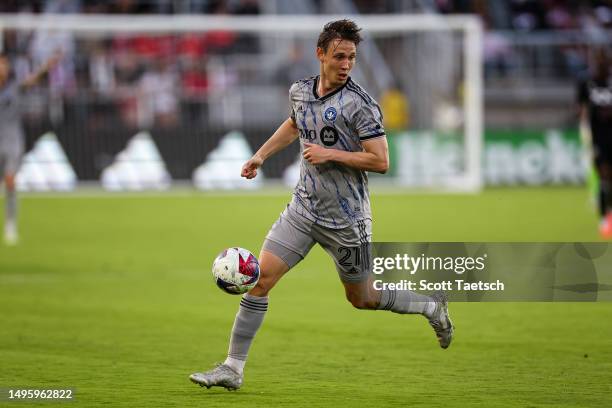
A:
{"x": 112, "y": 296}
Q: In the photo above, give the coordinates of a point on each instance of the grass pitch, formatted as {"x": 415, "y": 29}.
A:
{"x": 113, "y": 296}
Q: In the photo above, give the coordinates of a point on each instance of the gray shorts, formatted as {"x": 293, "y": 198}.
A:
{"x": 11, "y": 150}
{"x": 292, "y": 236}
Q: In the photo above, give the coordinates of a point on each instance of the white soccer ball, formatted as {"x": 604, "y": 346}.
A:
{"x": 236, "y": 270}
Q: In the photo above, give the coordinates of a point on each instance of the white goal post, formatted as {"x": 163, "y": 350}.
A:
{"x": 469, "y": 28}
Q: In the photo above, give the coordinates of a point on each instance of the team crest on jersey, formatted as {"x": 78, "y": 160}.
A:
{"x": 330, "y": 114}
{"x": 328, "y": 136}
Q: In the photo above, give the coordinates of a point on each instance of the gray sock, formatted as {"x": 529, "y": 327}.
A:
{"x": 248, "y": 319}
{"x": 405, "y": 301}
{"x": 11, "y": 206}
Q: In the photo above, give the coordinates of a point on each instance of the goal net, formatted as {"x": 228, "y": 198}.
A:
{"x": 190, "y": 97}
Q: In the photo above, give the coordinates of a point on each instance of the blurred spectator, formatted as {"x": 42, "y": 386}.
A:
{"x": 217, "y": 7}
{"x": 152, "y": 47}
{"x": 194, "y": 81}
{"x": 559, "y": 17}
{"x": 220, "y": 42}
{"x": 603, "y": 14}
{"x": 62, "y": 6}
{"x": 528, "y": 15}
{"x": 16, "y": 6}
{"x": 194, "y": 90}
{"x": 246, "y": 7}
{"x": 396, "y": 109}
{"x": 498, "y": 55}
{"x": 130, "y": 7}
{"x": 192, "y": 45}
{"x": 101, "y": 69}
{"x": 296, "y": 67}
{"x": 95, "y": 7}
{"x": 247, "y": 43}
{"x": 128, "y": 71}
{"x": 158, "y": 98}
{"x": 371, "y": 6}
{"x": 62, "y": 79}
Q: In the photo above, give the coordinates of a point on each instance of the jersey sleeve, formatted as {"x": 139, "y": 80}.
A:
{"x": 368, "y": 121}
{"x": 292, "y": 90}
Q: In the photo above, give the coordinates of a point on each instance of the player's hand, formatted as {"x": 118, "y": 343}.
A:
{"x": 249, "y": 169}
{"x": 316, "y": 154}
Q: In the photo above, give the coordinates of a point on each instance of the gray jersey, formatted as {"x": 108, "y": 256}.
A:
{"x": 10, "y": 114}
{"x": 11, "y": 132}
{"x": 330, "y": 194}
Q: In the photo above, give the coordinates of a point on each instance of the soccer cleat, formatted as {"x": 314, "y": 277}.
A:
{"x": 605, "y": 227}
{"x": 440, "y": 320}
{"x": 220, "y": 376}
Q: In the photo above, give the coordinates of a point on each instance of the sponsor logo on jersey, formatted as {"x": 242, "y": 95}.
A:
{"x": 328, "y": 136}
{"x": 308, "y": 134}
{"x": 330, "y": 114}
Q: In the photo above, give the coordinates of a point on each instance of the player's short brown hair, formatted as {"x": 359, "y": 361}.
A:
{"x": 342, "y": 29}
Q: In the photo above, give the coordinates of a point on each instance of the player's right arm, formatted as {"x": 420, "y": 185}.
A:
{"x": 283, "y": 137}
{"x": 37, "y": 75}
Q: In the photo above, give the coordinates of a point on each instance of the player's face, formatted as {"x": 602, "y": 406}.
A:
{"x": 338, "y": 61}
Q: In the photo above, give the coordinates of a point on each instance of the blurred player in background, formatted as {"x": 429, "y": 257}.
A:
{"x": 595, "y": 99}
{"x": 12, "y": 136}
{"x": 342, "y": 137}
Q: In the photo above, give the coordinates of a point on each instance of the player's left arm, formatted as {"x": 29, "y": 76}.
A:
{"x": 374, "y": 157}
{"x": 368, "y": 125}
{"x": 37, "y": 75}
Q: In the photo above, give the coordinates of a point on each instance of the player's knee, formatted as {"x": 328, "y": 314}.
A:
{"x": 9, "y": 179}
{"x": 359, "y": 301}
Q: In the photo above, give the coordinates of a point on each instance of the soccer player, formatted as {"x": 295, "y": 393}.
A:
{"x": 595, "y": 99}
{"x": 342, "y": 137}
{"x": 12, "y": 136}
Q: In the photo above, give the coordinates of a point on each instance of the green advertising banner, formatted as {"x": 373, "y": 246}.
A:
{"x": 429, "y": 159}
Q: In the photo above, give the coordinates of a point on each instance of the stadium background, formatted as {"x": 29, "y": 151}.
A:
{"x": 110, "y": 293}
